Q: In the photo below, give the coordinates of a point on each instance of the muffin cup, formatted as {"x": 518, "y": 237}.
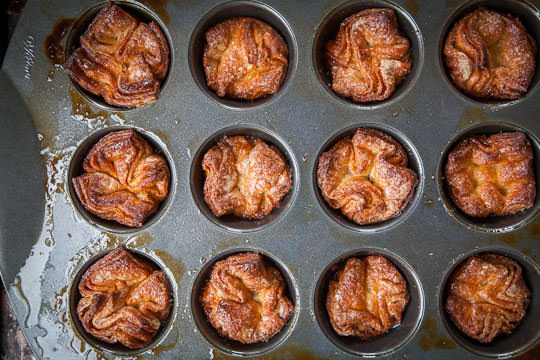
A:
{"x": 231, "y": 346}
{"x": 76, "y": 168}
{"x": 414, "y": 163}
{"x": 78, "y": 28}
{"x": 527, "y": 13}
{"x": 231, "y": 222}
{"x": 226, "y": 11}
{"x": 525, "y": 336}
{"x": 328, "y": 29}
{"x": 118, "y": 349}
{"x": 495, "y": 224}
{"x": 395, "y": 338}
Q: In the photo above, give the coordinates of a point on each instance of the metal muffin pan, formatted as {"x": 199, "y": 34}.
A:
{"x": 44, "y": 241}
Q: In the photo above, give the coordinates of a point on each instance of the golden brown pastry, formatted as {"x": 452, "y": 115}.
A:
{"x": 124, "y": 179}
{"x": 366, "y": 177}
{"x": 121, "y": 59}
{"x": 244, "y": 58}
{"x": 245, "y": 177}
{"x": 487, "y": 296}
{"x": 367, "y": 298}
{"x": 244, "y": 299}
{"x": 368, "y": 58}
{"x": 124, "y": 299}
{"x": 491, "y": 174}
{"x": 490, "y": 55}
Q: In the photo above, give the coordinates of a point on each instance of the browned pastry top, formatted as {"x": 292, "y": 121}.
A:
{"x": 490, "y": 55}
{"x": 491, "y": 174}
{"x": 244, "y": 58}
{"x": 244, "y": 300}
{"x": 121, "y": 59}
{"x": 367, "y": 299}
{"x": 487, "y": 296}
{"x": 245, "y": 177}
{"x": 124, "y": 299}
{"x": 368, "y": 57}
{"x": 124, "y": 179}
{"x": 366, "y": 177}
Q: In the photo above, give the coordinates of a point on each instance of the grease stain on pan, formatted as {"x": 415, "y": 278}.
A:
{"x": 139, "y": 240}
{"x": 284, "y": 352}
{"x": 82, "y": 111}
{"x": 412, "y": 6}
{"x": 166, "y": 346}
{"x": 176, "y": 267}
{"x": 531, "y": 231}
{"x": 431, "y": 339}
{"x": 159, "y": 7}
{"x": 163, "y": 135}
{"x": 54, "y": 50}
{"x": 471, "y": 116}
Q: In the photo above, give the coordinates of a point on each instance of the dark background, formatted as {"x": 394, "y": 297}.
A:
{"x": 13, "y": 344}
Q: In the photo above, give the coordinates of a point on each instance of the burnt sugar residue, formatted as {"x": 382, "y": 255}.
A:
{"x": 82, "y": 111}
{"x": 412, "y": 6}
{"x": 168, "y": 344}
{"x": 140, "y": 240}
{"x": 471, "y": 116}
{"x": 431, "y": 339}
{"x": 163, "y": 135}
{"x": 160, "y": 8}
{"x": 54, "y": 50}
{"x": 226, "y": 244}
{"x": 531, "y": 231}
{"x": 282, "y": 353}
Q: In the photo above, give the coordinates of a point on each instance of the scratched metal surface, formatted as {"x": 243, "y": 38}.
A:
{"x": 43, "y": 241}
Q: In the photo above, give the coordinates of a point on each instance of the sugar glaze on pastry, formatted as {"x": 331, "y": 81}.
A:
{"x": 244, "y": 299}
{"x": 368, "y": 58}
{"x": 245, "y": 177}
{"x": 367, "y": 298}
{"x": 366, "y": 177}
{"x": 124, "y": 299}
{"x": 487, "y": 296}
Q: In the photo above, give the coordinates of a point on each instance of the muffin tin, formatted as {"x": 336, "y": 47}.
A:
{"x": 47, "y": 239}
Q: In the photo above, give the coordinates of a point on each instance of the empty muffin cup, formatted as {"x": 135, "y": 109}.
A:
{"x": 117, "y": 348}
{"x": 234, "y": 347}
{"x": 395, "y": 338}
{"x": 328, "y": 29}
{"x": 414, "y": 163}
{"x": 527, "y": 14}
{"x": 495, "y": 224}
{"x": 525, "y": 336}
{"x": 76, "y": 169}
{"x": 231, "y": 222}
{"x": 78, "y": 28}
{"x": 226, "y": 11}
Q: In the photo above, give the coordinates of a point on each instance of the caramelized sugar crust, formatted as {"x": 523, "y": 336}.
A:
{"x": 244, "y": 58}
{"x": 491, "y": 174}
{"x": 244, "y": 299}
{"x": 487, "y": 296}
{"x": 368, "y": 58}
{"x": 124, "y": 179}
{"x": 245, "y": 177}
{"x": 124, "y": 299}
{"x": 490, "y": 55}
{"x": 121, "y": 59}
{"x": 367, "y": 298}
{"x": 366, "y": 177}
